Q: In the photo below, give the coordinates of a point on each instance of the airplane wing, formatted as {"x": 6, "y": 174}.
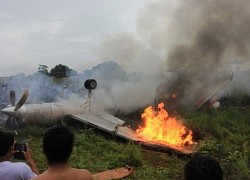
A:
{"x": 100, "y": 120}
{"x": 114, "y": 125}
{"x": 106, "y": 122}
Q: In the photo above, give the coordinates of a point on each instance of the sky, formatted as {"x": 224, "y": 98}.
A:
{"x": 190, "y": 44}
{"x": 65, "y": 32}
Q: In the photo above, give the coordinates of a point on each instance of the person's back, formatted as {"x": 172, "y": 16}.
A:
{"x": 65, "y": 173}
{"x": 57, "y": 147}
{"x": 203, "y": 168}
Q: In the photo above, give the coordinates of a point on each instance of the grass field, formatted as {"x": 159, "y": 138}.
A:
{"x": 223, "y": 134}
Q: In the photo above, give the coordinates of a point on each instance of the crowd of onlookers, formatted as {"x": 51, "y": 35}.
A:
{"x": 57, "y": 147}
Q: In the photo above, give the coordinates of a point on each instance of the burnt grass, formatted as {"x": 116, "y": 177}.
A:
{"x": 222, "y": 133}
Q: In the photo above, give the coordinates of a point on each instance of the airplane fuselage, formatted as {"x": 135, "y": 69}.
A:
{"x": 44, "y": 112}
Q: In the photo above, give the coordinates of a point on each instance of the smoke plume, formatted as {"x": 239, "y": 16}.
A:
{"x": 181, "y": 49}
{"x": 200, "y": 39}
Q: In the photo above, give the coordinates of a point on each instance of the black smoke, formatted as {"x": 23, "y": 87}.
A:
{"x": 211, "y": 33}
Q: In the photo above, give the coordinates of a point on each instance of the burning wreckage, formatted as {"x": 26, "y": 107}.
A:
{"x": 159, "y": 131}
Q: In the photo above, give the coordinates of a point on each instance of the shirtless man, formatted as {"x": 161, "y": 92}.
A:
{"x": 57, "y": 147}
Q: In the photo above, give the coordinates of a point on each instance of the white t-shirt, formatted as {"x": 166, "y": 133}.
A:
{"x": 15, "y": 171}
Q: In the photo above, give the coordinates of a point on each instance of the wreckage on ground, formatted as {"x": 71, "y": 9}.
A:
{"x": 52, "y": 112}
{"x": 208, "y": 98}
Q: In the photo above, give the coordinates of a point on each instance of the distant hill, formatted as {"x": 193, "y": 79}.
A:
{"x": 109, "y": 71}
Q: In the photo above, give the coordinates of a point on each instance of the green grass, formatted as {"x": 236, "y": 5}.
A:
{"x": 223, "y": 134}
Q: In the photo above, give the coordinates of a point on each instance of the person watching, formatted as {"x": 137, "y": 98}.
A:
{"x": 203, "y": 167}
{"x": 57, "y": 147}
{"x": 15, "y": 170}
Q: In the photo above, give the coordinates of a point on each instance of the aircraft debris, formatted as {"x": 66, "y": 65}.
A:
{"x": 52, "y": 112}
{"x": 207, "y": 100}
{"x": 116, "y": 173}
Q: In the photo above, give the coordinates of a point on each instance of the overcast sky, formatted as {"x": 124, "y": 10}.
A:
{"x": 52, "y": 32}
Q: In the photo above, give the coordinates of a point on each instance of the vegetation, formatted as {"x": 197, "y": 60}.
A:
{"x": 223, "y": 134}
{"x": 61, "y": 71}
{"x": 42, "y": 68}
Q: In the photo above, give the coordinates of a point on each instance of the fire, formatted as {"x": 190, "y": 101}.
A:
{"x": 159, "y": 127}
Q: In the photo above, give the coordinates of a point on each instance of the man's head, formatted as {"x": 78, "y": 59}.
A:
{"x": 203, "y": 168}
{"x": 6, "y": 141}
{"x": 58, "y": 144}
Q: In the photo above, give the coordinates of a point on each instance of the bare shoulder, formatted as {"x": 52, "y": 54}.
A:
{"x": 39, "y": 177}
{"x": 82, "y": 173}
{"x": 72, "y": 173}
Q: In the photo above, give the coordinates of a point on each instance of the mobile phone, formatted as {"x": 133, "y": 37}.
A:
{"x": 19, "y": 147}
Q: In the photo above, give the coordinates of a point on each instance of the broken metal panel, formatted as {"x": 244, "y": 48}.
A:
{"x": 129, "y": 134}
{"x": 126, "y": 133}
{"x": 168, "y": 147}
{"x": 210, "y": 94}
{"x": 100, "y": 120}
{"x": 117, "y": 173}
{"x": 111, "y": 124}
{"x": 109, "y": 117}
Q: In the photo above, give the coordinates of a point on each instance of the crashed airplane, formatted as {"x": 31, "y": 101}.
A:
{"x": 52, "y": 112}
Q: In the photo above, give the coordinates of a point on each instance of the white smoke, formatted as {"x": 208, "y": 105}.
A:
{"x": 193, "y": 41}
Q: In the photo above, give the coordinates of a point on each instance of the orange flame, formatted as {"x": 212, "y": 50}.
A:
{"x": 159, "y": 127}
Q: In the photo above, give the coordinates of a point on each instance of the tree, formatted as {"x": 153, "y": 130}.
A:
{"x": 43, "y": 69}
{"x": 61, "y": 71}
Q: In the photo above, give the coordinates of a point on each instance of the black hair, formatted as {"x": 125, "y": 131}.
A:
{"x": 203, "y": 167}
{"x": 6, "y": 141}
{"x": 58, "y": 144}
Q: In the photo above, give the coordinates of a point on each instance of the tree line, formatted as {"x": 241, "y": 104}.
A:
{"x": 59, "y": 71}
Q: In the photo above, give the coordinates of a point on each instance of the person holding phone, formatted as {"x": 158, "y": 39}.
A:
{"x": 15, "y": 170}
